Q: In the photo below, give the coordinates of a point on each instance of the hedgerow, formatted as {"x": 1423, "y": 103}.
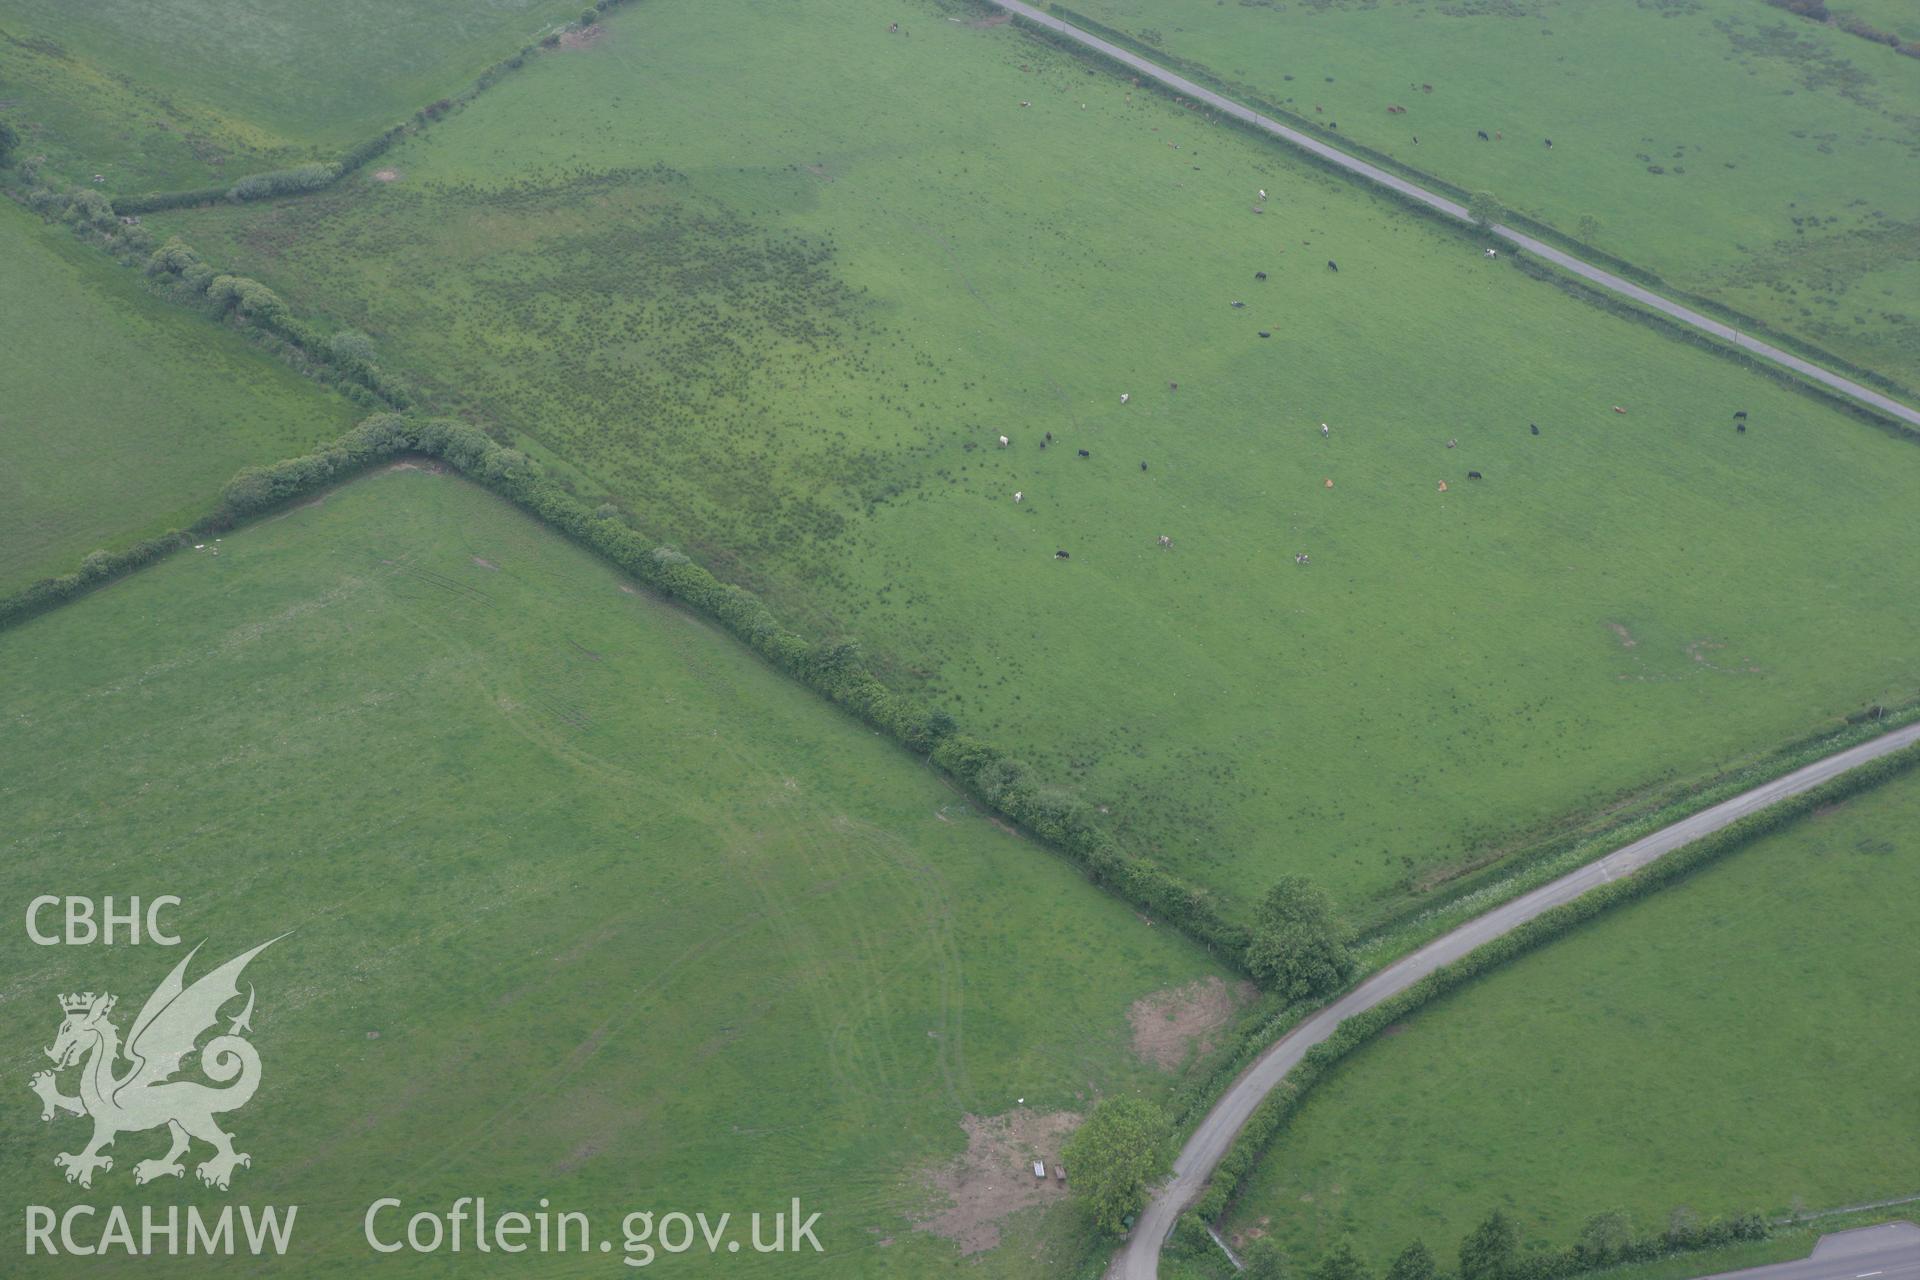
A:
{"x": 1354, "y": 1032}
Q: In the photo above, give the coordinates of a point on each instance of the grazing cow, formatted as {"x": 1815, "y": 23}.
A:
{"x": 1618, "y": 409}
{"x": 1452, "y": 443}
{"x": 1474, "y": 475}
{"x": 1549, "y": 142}
{"x": 1741, "y": 427}
{"x": 1259, "y": 275}
{"x": 1143, "y": 466}
{"x": 1061, "y": 555}
{"x": 1740, "y": 413}
{"x": 1263, "y": 193}
{"x": 1236, "y": 304}
{"x": 1003, "y": 442}
{"x": 1332, "y": 265}
{"x": 1165, "y": 541}
{"x": 1043, "y": 444}
{"x": 1124, "y": 397}
{"x": 1443, "y": 486}
{"x": 1173, "y": 386}
{"x": 1534, "y": 427}
{"x": 1301, "y": 558}
{"x": 1049, "y": 435}
{"x": 1493, "y": 253}
{"x": 1328, "y": 482}
{"x": 1325, "y": 431}
{"x": 1266, "y": 333}
{"x": 1499, "y": 136}
{"x": 1019, "y": 496}
{"x": 1085, "y": 454}
{"x": 1484, "y": 137}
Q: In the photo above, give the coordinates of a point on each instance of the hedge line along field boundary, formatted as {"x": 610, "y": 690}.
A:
{"x": 318, "y": 175}
{"x": 1319, "y": 1061}
{"x": 1563, "y": 240}
{"x": 831, "y": 667}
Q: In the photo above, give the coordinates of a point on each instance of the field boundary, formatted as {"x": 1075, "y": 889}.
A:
{"x": 1059, "y": 31}
{"x": 284, "y": 182}
{"x": 1206, "y": 77}
{"x": 1211, "y": 1191}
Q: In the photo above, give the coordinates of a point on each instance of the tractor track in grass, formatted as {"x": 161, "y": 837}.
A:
{"x": 1139, "y": 1256}
{"x": 1453, "y": 209}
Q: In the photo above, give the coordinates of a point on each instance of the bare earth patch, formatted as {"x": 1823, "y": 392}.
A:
{"x": 486, "y": 564}
{"x": 586, "y": 37}
{"x": 1625, "y": 636}
{"x": 994, "y": 1179}
{"x": 1169, "y": 1026}
{"x": 386, "y": 175}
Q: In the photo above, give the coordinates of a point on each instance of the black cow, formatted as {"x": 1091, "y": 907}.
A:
{"x": 1265, "y": 333}
{"x": 1049, "y": 435}
{"x": 1332, "y": 265}
{"x": 1534, "y": 427}
{"x": 1061, "y": 555}
{"x": 1085, "y": 454}
{"x": 1549, "y": 142}
{"x": 1741, "y": 413}
{"x": 1143, "y": 466}
{"x": 1043, "y": 444}
{"x": 1484, "y": 137}
{"x": 1259, "y": 275}
{"x": 1475, "y": 475}
{"x": 1741, "y": 427}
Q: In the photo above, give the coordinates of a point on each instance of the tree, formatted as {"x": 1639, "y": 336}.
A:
{"x": 351, "y": 344}
{"x": 1115, "y": 1156}
{"x": 1299, "y": 947}
{"x": 1488, "y": 1251}
{"x": 1414, "y": 1263}
{"x": 1604, "y": 1237}
{"x": 1342, "y": 1263}
{"x": 1263, "y": 1260}
{"x": 9, "y": 140}
{"x": 1484, "y": 209}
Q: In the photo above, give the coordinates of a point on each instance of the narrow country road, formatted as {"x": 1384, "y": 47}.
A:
{"x": 1139, "y": 1257}
{"x": 1605, "y": 279}
{"x": 1890, "y": 1251}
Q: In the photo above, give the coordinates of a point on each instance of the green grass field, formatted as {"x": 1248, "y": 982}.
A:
{"x": 188, "y": 93}
{"x": 122, "y": 416}
{"x": 1740, "y": 1041}
{"x": 588, "y": 904}
{"x": 761, "y": 294}
{"x": 1743, "y": 154}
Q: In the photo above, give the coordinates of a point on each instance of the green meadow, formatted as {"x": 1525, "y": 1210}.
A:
{"x": 122, "y": 416}
{"x": 763, "y": 296}
{"x": 1738, "y": 1042}
{"x": 1744, "y": 154}
{"x": 585, "y": 903}
{"x": 180, "y": 94}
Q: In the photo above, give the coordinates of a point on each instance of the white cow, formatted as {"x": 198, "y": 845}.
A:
{"x": 1003, "y": 442}
{"x": 1018, "y": 496}
{"x": 1325, "y": 431}
{"x": 1124, "y": 397}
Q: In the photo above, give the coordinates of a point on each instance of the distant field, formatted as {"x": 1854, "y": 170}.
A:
{"x": 1741, "y": 1041}
{"x": 588, "y": 904}
{"x": 1744, "y": 154}
{"x": 121, "y": 416}
{"x": 779, "y": 297}
{"x": 185, "y": 93}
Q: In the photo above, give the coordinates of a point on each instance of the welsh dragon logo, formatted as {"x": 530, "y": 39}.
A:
{"x": 144, "y": 1095}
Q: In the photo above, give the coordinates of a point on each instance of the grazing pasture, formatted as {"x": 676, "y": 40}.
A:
{"x": 587, "y": 904}
{"x": 764, "y": 296}
{"x": 1744, "y": 154}
{"x": 121, "y": 417}
{"x": 1738, "y": 1042}
{"x": 175, "y": 94}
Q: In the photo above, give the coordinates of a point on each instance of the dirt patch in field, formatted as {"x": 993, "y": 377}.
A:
{"x": 486, "y": 564}
{"x": 1625, "y": 636}
{"x": 386, "y": 175}
{"x": 994, "y": 1179}
{"x": 1172, "y": 1025}
{"x": 585, "y": 38}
